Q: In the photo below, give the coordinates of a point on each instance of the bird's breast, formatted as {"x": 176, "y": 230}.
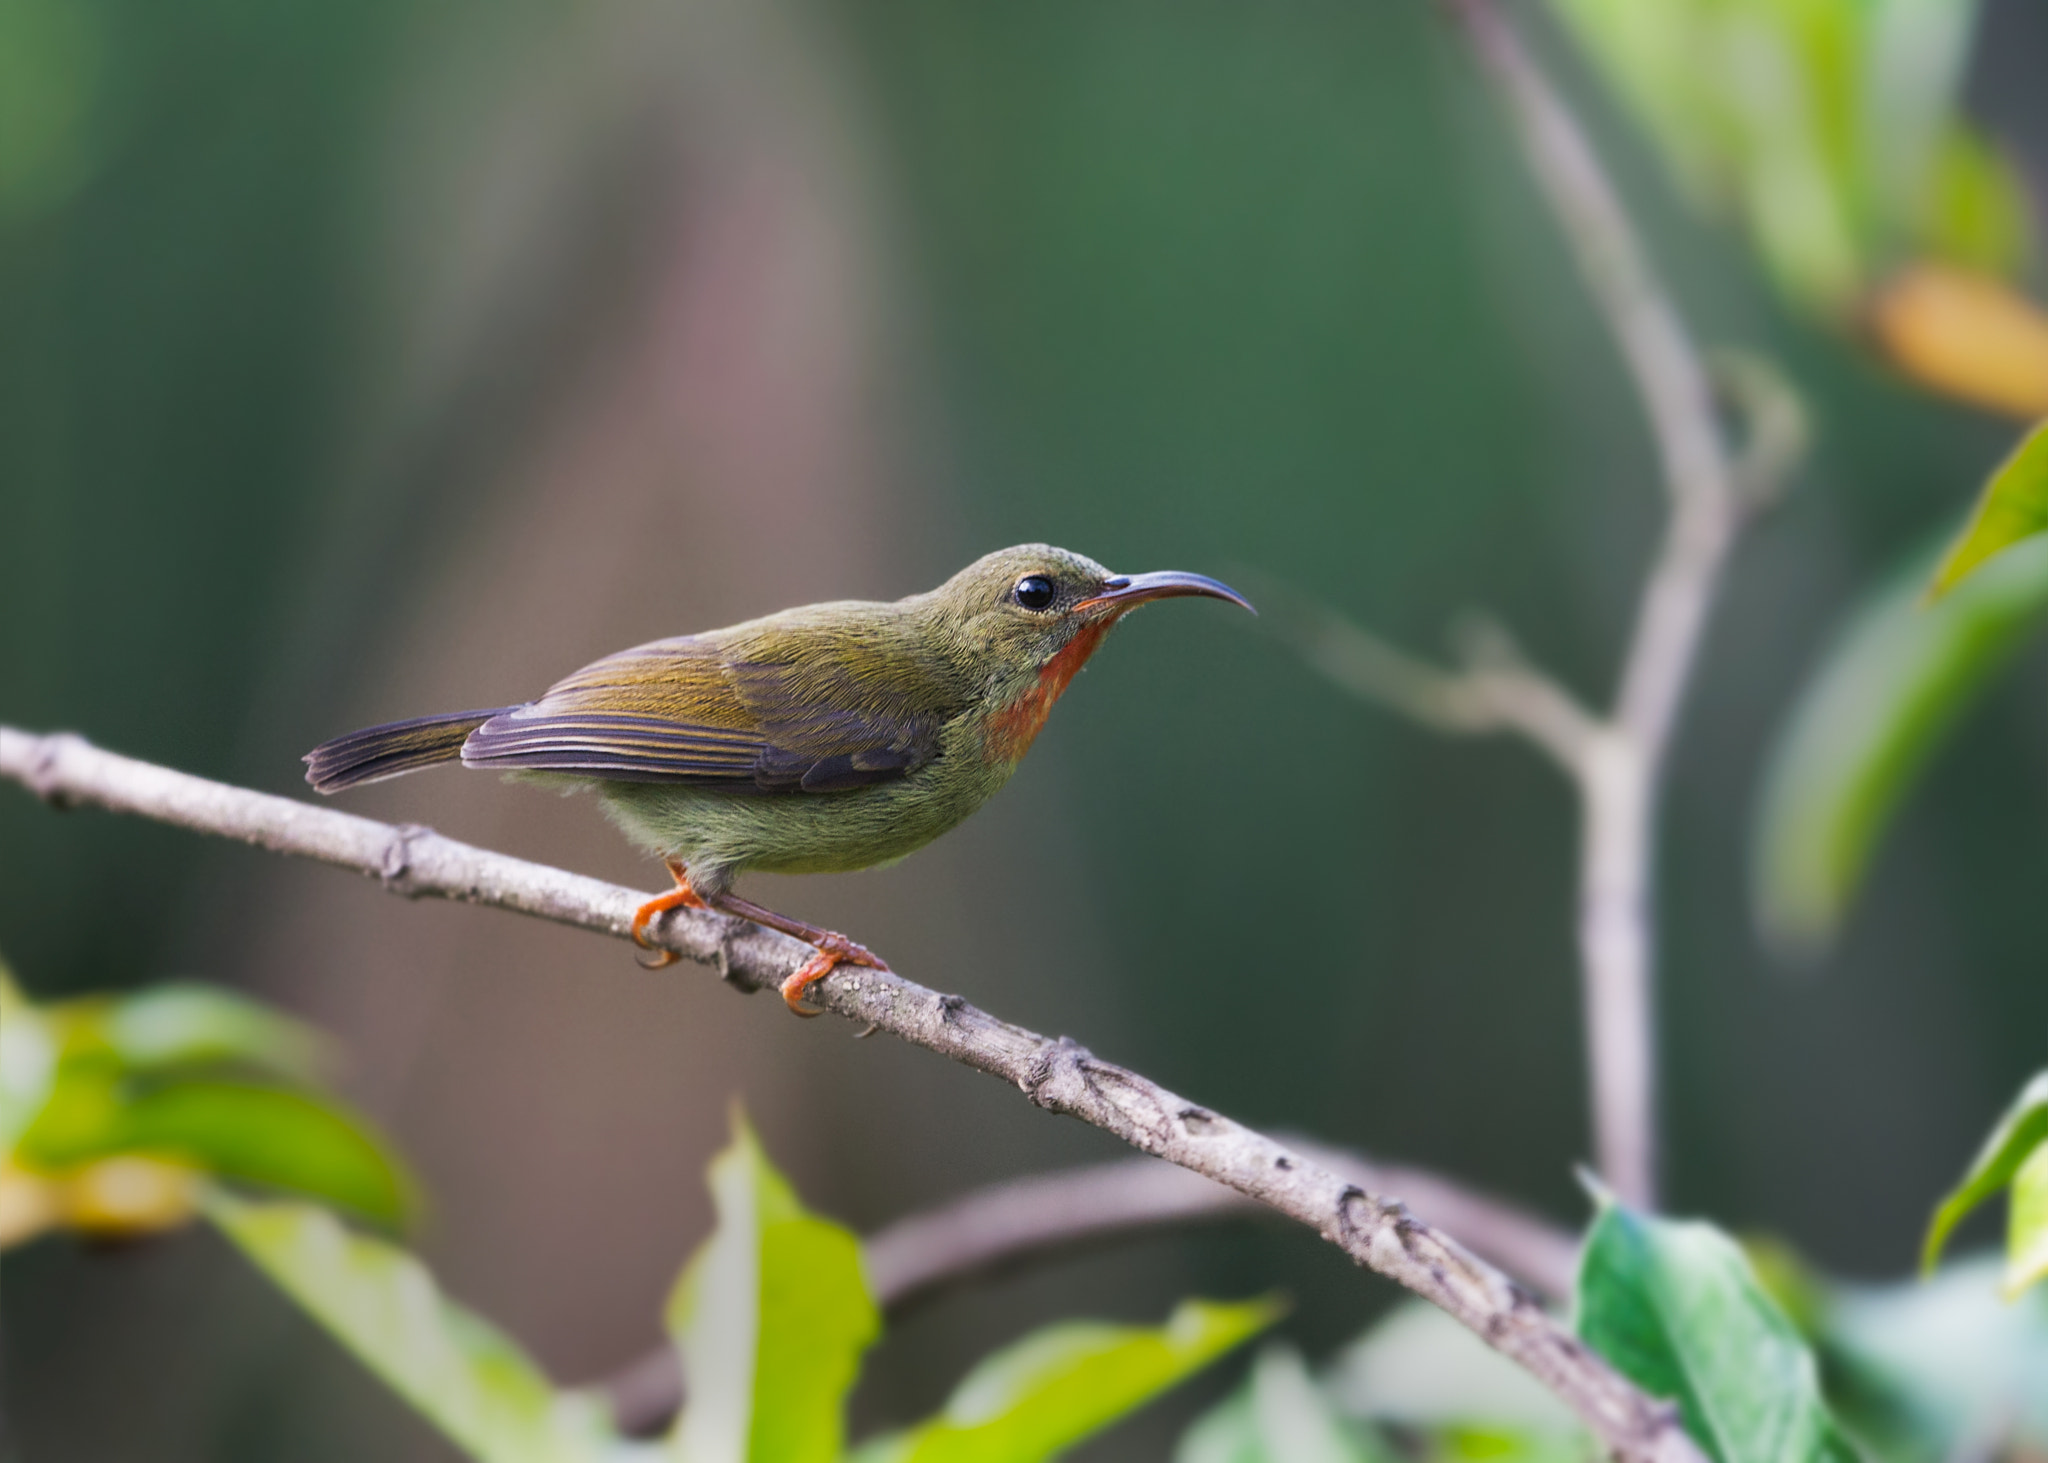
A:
{"x": 1010, "y": 730}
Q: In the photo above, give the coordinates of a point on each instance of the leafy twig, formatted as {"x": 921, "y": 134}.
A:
{"x": 1056, "y": 1073}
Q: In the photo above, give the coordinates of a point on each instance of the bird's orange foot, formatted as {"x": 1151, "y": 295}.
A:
{"x": 833, "y": 951}
{"x": 680, "y": 897}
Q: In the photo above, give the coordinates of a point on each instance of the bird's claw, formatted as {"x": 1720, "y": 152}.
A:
{"x": 644, "y": 916}
{"x": 833, "y": 951}
{"x": 680, "y": 897}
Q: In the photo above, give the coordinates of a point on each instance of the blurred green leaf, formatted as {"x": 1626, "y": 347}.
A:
{"x": 1800, "y": 1291}
{"x": 1446, "y": 1391}
{"x": 1674, "y": 1306}
{"x": 457, "y": 1370}
{"x": 1226, "y": 1433}
{"x": 1890, "y": 686}
{"x": 1977, "y": 218}
{"x": 1060, "y": 1384}
{"x": 1295, "y": 1423}
{"x": 770, "y": 1318}
{"x": 257, "y": 1134}
{"x": 52, "y": 67}
{"x": 2026, "y": 1243}
{"x": 1907, "y": 80}
{"x": 187, "y": 1024}
{"x": 1420, "y": 1368}
{"x": 1279, "y": 1415}
{"x": 1471, "y": 1443}
{"x": 1752, "y": 107}
{"x": 2022, "y": 1129}
{"x": 111, "y": 1107}
{"x": 2012, "y": 507}
{"x": 28, "y": 1061}
{"x": 1829, "y": 128}
{"x": 1922, "y": 1369}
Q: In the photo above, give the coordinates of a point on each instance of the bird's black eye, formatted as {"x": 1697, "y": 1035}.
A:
{"x": 1033, "y": 591}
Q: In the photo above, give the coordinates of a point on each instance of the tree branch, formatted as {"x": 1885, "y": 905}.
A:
{"x": 1004, "y": 1223}
{"x": 1774, "y": 421}
{"x": 1666, "y": 367}
{"x": 1617, "y": 864}
{"x": 1010, "y": 1224}
{"x": 1496, "y": 690}
{"x": 1057, "y": 1074}
{"x": 1617, "y": 760}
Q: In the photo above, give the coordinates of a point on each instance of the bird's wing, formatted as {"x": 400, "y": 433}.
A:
{"x": 745, "y": 713}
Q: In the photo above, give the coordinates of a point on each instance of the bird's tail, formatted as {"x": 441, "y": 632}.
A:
{"x": 378, "y": 752}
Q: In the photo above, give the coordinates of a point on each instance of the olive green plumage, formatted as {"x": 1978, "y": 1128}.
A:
{"x": 821, "y": 739}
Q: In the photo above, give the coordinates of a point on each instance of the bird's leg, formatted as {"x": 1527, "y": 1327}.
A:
{"x": 680, "y": 897}
{"x": 833, "y": 949}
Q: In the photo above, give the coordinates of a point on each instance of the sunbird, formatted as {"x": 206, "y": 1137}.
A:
{"x": 821, "y": 739}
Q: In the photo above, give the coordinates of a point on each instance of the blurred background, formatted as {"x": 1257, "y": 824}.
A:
{"x": 364, "y": 361}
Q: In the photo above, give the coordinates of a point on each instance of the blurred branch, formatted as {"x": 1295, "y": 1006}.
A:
{"x": 1776, "y": 432}
{"x": 1616, "y": 760}
{"x": 1618, "y": 782}
{"x": 1496, "y": 689}
{"x": 1057, "y": 1074}
{"x": 1667, "y": 369}
{"x": 1010, "y": 1224}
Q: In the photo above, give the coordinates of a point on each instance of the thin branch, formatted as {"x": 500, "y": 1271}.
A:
{"x": 1497, "y": 690}
{"x": 1618, "y": 848}
{"x": 1620, "y": 762}
{"x": 1007, "y": 1225}
{"x": 1669, "y": 373}
{"x": 1616, "y": 760}
{"x": 1662, "y": 360}
{"x": 1776, "y": 429}
{"x": 1057, "y": 1074}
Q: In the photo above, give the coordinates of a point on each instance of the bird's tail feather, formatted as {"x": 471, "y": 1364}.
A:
{"x": 378, "y": 752}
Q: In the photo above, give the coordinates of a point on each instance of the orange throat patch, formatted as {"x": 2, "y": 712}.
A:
{"x": 1010, "y": 731}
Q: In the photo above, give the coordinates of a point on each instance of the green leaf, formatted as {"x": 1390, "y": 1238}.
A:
{"x": 53, "y": 85}
{"x": 1921, "y": 1368}
{"x": 457, "y": 1370}
{"x": 2026, "y": 1237}
{"x": 1675, "y": 1307}
{"x": 2021, "y": 1129}
{"x": 1279, "y": 1415}
{"x": 1977, "y": 211}
{"x": 1911, "y": 71}
{"x": 2012, "y": 507}
{"x": 1421, "y": 1369}
{"x": 1828, "y": 128}
{"x": 1296, "y": 1424}
{"x": 28, "y": 1061}
{"x": 1417, "y": 1370}
{"x": 1226, "y": 1433}
{"x": 1060, "y": 1384}
{"x": 188, "y": 1025}
{"x": 771, "y": 1319}
{"x": 257, "y": 1134}
{"x": 1754, "y": 104}
{"x": 1897, "y": 677}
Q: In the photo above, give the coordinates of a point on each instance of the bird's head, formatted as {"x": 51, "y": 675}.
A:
{"x": 1033, "y": 614}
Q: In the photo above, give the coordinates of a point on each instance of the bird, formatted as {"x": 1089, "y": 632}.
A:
{"x": 821, "y": 739}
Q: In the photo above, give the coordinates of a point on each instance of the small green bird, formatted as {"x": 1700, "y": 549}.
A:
{"x": 822, "y": 739}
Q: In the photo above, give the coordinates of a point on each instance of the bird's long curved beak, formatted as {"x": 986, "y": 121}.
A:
{"x": 1128, "y": 591}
